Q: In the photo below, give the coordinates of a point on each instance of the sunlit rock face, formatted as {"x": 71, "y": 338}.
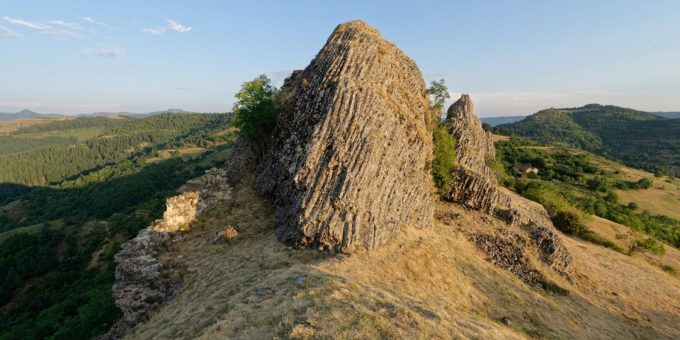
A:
{"x": 350, "y": 157}
{"x": 145, "y": 280}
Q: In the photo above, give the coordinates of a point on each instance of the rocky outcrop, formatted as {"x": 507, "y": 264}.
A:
{"x": 350, "y": 157}
{"x": 475, "y": 186}
{"x": 509, "y": 252}
{"x": 146, "y": 280}
{"x": 243, "y": 159}
{"x": 473, "y": 144}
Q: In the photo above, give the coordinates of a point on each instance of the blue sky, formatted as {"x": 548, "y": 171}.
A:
{"x": 513, "y": 57}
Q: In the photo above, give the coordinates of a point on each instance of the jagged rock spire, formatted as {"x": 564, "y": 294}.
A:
{"x": 473, "y": 144}
{"x": 351, "y": 153}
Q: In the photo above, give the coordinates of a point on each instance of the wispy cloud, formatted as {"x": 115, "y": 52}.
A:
{"x": 8, "y": 33}
{"x": 28, "y": 24}
{"x": 64, "y": 31}
{"x": 154, "y": 30}
{"x": 62, "y": 23}
{"x": 174, "y": 26}
{"x": 171, "y": 25}
{"x": 92, "y": 21}
{"x": 103, "y": 52}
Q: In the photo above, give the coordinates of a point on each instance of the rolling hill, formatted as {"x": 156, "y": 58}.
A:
{"x": 636, "y": 138}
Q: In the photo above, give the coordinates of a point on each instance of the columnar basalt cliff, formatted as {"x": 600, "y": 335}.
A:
{"x": 350, "y": 157}
{"x": 475, "y": 186}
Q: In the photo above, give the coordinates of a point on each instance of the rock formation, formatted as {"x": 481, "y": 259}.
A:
{"x": 350, "y": 157}
{"x": 145, "y": 280}
{"x": 475, "y": 186}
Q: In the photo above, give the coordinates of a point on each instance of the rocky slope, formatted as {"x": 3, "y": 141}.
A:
{"x": 145, "y": 279}
{"x": 475, "y": 186}
{"x": 427, "y": 283}
{"x": 351, "y": 153}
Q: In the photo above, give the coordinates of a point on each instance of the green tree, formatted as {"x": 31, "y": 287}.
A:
{"x": 255, "y": 110}
{"x": 439, "y": 93}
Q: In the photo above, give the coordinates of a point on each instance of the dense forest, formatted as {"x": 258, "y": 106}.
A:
{"x": 639, "y": 139}
{"x": 57, "y": 240}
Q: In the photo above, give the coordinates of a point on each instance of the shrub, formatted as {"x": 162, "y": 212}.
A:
{"x": 595, "y": 238}
{"x": 669, "y": 269}
{"x": 255, "y": 110}
{"x": 569, "y": 222}
{"x": 650, "y": 244}
{"x": 444, "y": 162}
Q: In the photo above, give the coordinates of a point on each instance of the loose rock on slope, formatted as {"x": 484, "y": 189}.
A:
{"x": 351, "y": 153}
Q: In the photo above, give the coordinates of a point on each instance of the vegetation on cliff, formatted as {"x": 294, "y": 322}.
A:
{"x": 444, "y": 148}
{"x": 444, "y": 161}
{"x": 255, "y": 109}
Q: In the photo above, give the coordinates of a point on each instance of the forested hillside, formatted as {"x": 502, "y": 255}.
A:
{"x": 57, "y": 240}
{"x": 50, "y": 153}
{"x": 639, "y": 139}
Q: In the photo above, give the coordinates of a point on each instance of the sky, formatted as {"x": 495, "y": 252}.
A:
{"x": 512, "y": 57}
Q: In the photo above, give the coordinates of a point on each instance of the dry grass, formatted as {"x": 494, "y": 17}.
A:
{"x": 13, "y": 125}
{"x": 500, "y": 138}
{"x": 429, "y": 283}
{"x": 183, "y": 152}
{"x": 663, "y": 198}
{"x": 624, "y": 237}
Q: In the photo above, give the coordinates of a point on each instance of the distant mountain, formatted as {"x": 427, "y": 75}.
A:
{"x": 637, "y": 138}
{"x": 668, "y": 114}
{"x": 23, "y": 114}
{"x": 494, "y": 121}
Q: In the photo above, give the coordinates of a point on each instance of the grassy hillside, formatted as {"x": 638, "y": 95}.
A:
{"x": 57, "y": 241}
{"x": 582, "y": 184}
{"x": 639, "y": 139}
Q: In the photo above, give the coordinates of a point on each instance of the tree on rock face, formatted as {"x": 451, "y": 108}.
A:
{"x": 439, "y": 93}
{"x": 255, "y": 110}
